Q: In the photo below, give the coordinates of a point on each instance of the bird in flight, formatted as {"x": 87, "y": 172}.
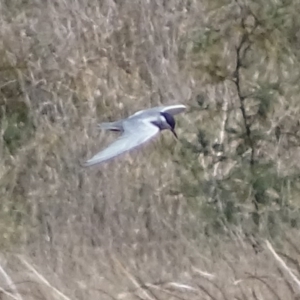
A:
{"x": 137, "y": 130}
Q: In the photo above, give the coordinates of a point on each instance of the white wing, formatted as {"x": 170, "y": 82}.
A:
{"x": 174, "y": 109}
{"x": 171, "y": 109}
{"x": 134, "y": 135}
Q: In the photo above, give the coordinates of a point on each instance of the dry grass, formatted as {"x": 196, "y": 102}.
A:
{"x": 138, "y": 227}
{"x": 174, "y": 270}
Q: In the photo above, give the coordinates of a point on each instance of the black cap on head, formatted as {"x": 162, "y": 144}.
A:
{"x": 171, "y": 121}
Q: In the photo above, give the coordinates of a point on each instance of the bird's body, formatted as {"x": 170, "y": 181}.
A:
{"x": 136, "y": 130}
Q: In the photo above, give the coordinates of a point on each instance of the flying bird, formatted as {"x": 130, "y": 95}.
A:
{"x": 136, "y": 130}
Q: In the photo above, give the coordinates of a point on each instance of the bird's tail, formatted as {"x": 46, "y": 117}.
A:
{"x": 112, "y": 126}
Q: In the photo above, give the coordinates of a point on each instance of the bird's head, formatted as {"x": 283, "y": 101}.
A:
{"x": 169, "y": 122}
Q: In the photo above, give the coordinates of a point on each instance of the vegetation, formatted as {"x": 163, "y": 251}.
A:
{"x": 213, "y": 216}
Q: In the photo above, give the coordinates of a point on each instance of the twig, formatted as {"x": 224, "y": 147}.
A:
{"x": 2, "y": 290}
{"x": 283, "y": 264}
{"x": 10, "y": 284}
{"x": 236, "y": 80}
{"x": 41, "y": 278}
{"x": 133, "y": 279}
{"x": 204, "y": 274}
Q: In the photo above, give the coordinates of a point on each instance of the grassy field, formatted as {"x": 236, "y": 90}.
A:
{"x": 214, "y": 215}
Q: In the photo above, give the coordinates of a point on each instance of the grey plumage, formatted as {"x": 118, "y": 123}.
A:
{"x": 136, "y": 130}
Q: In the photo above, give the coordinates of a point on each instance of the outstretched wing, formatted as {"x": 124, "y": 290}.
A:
{"x": 134, "y": 135}
{"x": 171, "y": 109}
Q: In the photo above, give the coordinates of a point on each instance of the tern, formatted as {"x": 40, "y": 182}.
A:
{"x": 137, "y": 130}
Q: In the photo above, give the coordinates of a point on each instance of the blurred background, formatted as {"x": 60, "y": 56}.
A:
{"x": 214, "y": 215}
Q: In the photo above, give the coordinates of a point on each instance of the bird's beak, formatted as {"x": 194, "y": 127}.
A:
{"x": 175, "y": 134}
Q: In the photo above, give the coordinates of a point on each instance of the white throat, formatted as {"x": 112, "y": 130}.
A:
{"x": 164, "y": 123}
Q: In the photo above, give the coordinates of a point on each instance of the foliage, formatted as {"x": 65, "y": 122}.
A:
{"x": 244, "y": 48}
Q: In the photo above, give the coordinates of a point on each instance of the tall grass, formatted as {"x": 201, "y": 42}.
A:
{"x": 174, "y": 220}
